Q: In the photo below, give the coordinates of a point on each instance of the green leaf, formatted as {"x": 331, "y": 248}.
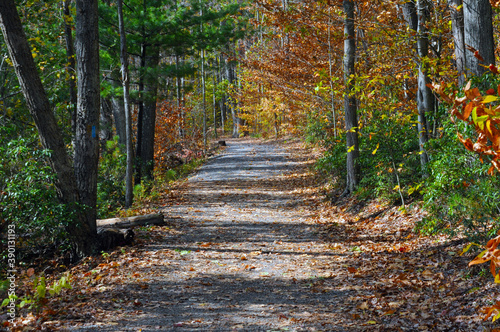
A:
{"x": 5, "y": 302}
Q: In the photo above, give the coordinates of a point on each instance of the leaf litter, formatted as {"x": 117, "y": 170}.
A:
{"x": 254, "y": 246}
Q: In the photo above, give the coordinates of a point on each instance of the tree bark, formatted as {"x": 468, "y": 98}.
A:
{"x": 457, "y": 26}
{"x": 106, "y": 121}
{"x": 87, "y": 121}
{"x": 80, "y": 232}
{"x": 149, "y": 116}
{"x": 351, "y": 116}
{"x": 71, "y": 63}
{"x": 37, "y": 101}
{"x": 129, "y": 195}
{"x": 425, "y": 97}
{"x": 478, "y": 34}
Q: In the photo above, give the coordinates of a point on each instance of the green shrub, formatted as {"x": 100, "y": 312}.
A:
{"x": 459, "y": 194}
{"x": 28, "y": 197}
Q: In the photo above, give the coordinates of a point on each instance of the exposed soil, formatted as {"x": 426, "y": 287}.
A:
{"x": 251, "y": 246}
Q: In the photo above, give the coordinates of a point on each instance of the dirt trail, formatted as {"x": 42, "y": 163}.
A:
{"x": 245, "y": 250}
{"x": 240, "y": 255}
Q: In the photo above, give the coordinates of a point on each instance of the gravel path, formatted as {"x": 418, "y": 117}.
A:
{"x": 241, "y": 255}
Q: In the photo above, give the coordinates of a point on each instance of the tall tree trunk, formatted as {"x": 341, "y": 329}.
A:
{"x": 106, "y": 121}
{"x": 204, "y": 101}
{"x": 126, "y": 103}
{"x": 330, "y": 67}
{"x": 179, "y": 96}
{"x": 478, "y": 33}
{"x": 71, "y": 62}
{"x": 457, "y": 26}
{"x": 80, "y": 232}
{"x": 149, "y": 116}
{"x": 87, "y": 120}
{"x": 351, "y": 116}
{"x": 425, "y": 97}
{"x": 214, "y": 97}
{"x": 222, "y": 102}
{"x": 118, "y": 108}
{"x": 236, "y": 120}
{"x": 140, "y": 115}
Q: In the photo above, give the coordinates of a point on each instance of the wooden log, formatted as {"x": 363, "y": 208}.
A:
{"x": 128, "y": 222}
{"x": 110, "y": 238}
{"x": 222, "y": 143}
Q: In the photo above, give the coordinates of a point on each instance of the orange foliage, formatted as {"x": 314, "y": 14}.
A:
{"x": 169, "y": 142}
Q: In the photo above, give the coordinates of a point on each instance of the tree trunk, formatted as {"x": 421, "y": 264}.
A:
{"x": 214, "y": 98}
{"x": 425, "y": 97}
{"x": 410, "y": 14}
{"x": 149, "y": 116}
{"x": 106, "y": 121}
{"x": 231, "y": 105}
{"x": 71, "y": 63}
{"x": 81, "y": 232}
{"x": 87, "y": 120}
{"x": 37, "y": 101}
{"x": 351, "y": 116}
{"x": 126, "y": 103}
{"x": 457, "y": 26}
{"x": 478, "y": 34}
{"x": 204, "y": 101}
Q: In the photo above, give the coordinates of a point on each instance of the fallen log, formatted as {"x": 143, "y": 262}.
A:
{"x": 128, "y": 222}
{"x": 110, "y": 238}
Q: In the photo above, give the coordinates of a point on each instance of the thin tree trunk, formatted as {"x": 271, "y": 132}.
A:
{"x": 222, "y": 102}
{"x": 425, "y": 97}
{"x": 179, "y": 96}
{"x": 330, "y": 66}
{"x": 71, "y": 63}
{"x": 118, "y": 108}
{"x": 351, "y": 116}
{"x": 88, "y": 107}
{"x": 214, "y": 99}
{"x": 106, "y": 121}
{"x": 129, "y": 195}
{"x": 204, "y": 105}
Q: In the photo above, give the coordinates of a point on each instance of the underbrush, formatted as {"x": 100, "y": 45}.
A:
{"x": 458, "y": 195}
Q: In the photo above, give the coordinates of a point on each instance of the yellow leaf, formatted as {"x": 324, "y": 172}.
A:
{"x": 468, "y": 247}
{"x": 371, "y": 322}
{"x": 375, "y": 151}
{"x": 489, "y": 99}
{"x": 351, "y": 148}
{"x": 488, "y": 125}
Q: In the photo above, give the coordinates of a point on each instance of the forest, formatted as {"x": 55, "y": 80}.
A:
{"x": 107, "y": 107}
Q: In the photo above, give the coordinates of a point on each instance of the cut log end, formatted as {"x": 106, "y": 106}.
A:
{"x": 110, "y": 238}
{"x": 222, "y": 143}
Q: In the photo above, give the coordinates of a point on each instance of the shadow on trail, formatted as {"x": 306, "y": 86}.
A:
{"x": 216, "y": 303}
